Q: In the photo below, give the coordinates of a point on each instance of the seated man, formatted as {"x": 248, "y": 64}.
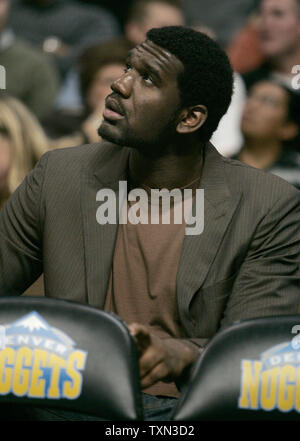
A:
{"x": 175, "y": 285}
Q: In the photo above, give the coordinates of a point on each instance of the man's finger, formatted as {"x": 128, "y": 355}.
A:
{"x": 148, "y": 361}
{"x": 156, "y": 374}
{"x": 141, "y": 336}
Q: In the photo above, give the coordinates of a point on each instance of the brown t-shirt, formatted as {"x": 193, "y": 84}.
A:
{"x": 142, "y": 285}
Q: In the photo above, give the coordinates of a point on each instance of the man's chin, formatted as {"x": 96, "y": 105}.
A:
{"x": 109, "y": 133}
{"x": 153, "y": 149}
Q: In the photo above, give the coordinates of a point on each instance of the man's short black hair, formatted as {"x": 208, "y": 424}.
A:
{"x": 207, "y": 78}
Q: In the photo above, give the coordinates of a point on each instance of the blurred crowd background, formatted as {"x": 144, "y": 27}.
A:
{"x": 60, "y": 57}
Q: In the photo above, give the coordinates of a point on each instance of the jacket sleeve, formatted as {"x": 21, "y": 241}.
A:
{"x": 21, "y": 234}
{"x": 268, "y": 282}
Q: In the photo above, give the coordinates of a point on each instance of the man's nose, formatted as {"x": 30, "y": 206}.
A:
{"x": 123, "y": 85}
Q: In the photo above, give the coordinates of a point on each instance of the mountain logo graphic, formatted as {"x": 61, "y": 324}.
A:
{"x": 31, "y": 326}
{"x": 32, "y": 321}
{"x": 39, "y": 361}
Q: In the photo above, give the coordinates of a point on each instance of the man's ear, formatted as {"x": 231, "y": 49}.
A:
{"x": 191, "y": 119}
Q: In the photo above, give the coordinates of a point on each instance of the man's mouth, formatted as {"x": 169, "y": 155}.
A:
{"x": 112, "y": 110}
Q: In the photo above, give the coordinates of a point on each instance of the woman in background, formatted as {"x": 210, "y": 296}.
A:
{"x": 98, "y": 67}
{"x": 270, "y": 126}
{"x": 22, "y": 142}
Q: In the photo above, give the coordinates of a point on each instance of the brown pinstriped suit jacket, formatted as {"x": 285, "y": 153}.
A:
{"x": 245, "y": 263}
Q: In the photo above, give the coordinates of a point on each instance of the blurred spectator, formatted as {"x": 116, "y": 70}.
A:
{"x": 279, "y": 31}
{"x": 244, "y": 51}
{"x": 99, "y": 66}
{"x": 22, "y": 142}
{"x": 224, "y": 18}
{"x": 270, "y": 125}
{"x": 116, "y": 7}
{"x": 147, "y": 14}
{"x": 30, "y": 75}
{"x": 62, "y": 28}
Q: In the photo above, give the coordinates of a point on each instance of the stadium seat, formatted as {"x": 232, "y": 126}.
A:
{"x": 249, "y": 371}
{"x": 58, "y": 354}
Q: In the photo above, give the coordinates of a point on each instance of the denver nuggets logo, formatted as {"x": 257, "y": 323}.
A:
{"x": 38, "y": 361}
{"x": 274, "y": 381}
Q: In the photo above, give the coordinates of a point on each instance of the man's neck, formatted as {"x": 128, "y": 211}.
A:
{"x": 170, "y": 171}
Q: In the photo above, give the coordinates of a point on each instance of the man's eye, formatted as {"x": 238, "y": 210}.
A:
{"x": 147, "y": 78}
{"x": 127, "y": 68}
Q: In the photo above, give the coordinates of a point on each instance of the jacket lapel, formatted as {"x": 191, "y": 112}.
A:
{"x": 198, "y": 252}
{"x": 107, "y": 170}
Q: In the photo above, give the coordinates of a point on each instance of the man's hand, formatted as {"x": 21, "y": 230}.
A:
{"x": 161, "y": 359}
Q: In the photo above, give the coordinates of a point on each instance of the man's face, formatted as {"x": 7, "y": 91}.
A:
{"x": 279, "y": 27}
{"x": 143, "y": 109}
